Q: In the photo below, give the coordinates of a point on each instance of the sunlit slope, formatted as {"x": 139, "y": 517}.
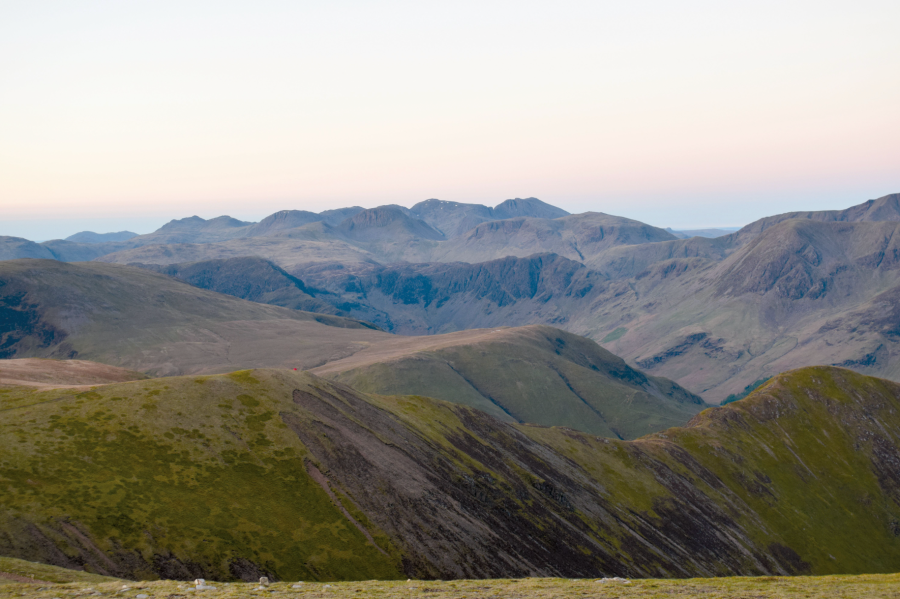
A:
{"x": 292, "y": 476}
{"x": 533, "y": 374}
{"x": 183, "y": 477}
{"x": 37, "y": 372}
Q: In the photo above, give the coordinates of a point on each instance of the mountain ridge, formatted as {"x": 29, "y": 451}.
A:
{"x": 357, "y": 485}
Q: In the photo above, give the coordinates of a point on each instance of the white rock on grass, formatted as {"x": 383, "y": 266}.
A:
{"x": 614, "y": 579}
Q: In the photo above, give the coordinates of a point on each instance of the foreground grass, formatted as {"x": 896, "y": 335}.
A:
{"x": 862, "y": 586}
{"x": 12, "y": 570}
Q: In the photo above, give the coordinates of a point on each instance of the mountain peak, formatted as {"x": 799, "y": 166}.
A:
{"x": 196, "y": 223}
{"x": 531, "y": 207}
{"x": 364, "y": 223}
{"x": 91, "y": 237}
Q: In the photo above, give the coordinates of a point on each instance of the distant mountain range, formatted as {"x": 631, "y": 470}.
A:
{"x": 91, "y": 237}
{"x": 712, "y": 313}
{"x": 711, "y": 233}
{"x": 432, "y": 393}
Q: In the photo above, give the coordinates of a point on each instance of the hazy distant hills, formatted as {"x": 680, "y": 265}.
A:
{"x": 91, "y": 237}
{"x": 713, "y": 313}
{"x": 711, "y": 233}
{"x": 152, "y": 323}
{"x": 803, "y": 292}
{"x": 291, "y": 476}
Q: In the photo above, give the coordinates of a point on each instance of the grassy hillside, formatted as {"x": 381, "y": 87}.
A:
{"x": 36, "y": 372}
{"x": 26, "y": 575}
{"x": 532, "y": 374}
{"x": 145, "y": 321}
{"x": 182, "y": 478}
{"x": 283, "y": 473}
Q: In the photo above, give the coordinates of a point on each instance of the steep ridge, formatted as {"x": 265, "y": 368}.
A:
{"x": 534, "y": 374}
{"x": 767, "y": 308}
{"x": 884, "y": 209}
{"x": 801, "y": 477}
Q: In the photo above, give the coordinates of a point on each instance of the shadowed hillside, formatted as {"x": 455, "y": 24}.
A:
{"x": 145, "y": 321}
{"x": 291, "y": 476}
{"x": 249, "y": 278}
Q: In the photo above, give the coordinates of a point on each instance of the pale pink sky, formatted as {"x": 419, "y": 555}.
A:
{"x": 679, "y": 114}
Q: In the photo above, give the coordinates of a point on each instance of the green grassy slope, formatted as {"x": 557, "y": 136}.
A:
{"x": 20, "y": 571}
{"x": 535, "y": 374}
{"x": 183, "y": 478}
{"x": 287, "y": 474}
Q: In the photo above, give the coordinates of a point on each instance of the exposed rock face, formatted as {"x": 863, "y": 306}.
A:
{"x": 249, "y": 278}
{"x": 410, "y": 487}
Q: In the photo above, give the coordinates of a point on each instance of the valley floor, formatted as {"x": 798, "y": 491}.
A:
{"x": 868, "y": 586}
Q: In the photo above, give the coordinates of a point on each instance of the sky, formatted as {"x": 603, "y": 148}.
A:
{"x": 124, "y": 115}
